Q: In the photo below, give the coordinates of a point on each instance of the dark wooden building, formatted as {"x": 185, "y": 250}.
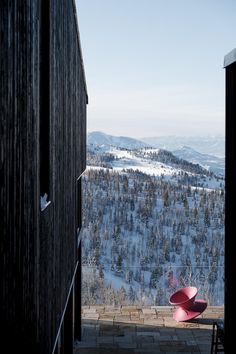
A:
{"x": 230, "y": 186}
{"x": 43, "y": 102}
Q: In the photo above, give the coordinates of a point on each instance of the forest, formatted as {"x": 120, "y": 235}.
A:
{"x": 144, "y": 236}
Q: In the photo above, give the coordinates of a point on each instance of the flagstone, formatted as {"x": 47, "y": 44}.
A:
{"x": 144, "y": 330}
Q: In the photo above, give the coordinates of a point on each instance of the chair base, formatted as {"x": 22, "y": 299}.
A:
{"x": 196, "y": 309}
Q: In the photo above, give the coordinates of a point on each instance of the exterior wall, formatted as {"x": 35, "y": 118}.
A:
{"x": 42, "y": 149}
{"x": 229, "y": 203}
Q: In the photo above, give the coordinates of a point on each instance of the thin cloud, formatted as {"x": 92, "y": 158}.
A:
{"x": 163, "y": 108}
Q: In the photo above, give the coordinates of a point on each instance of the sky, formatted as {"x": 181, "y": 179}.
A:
{"x": 155, "y": 67}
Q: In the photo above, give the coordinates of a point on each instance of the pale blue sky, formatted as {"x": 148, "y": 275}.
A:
{"x": 155, "y": 67}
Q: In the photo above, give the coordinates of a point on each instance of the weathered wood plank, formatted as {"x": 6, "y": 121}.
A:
{"x": 39, "y": 248}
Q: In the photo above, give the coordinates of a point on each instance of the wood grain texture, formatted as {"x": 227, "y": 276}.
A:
{"x": 230, "y": 197}
{"x": 39, "y": 248}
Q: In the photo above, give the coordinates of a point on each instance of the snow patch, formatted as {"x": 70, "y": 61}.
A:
{"x": 43, "y": 202}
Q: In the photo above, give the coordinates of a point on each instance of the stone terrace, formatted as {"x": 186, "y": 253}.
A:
{"x": 144, "y": 330}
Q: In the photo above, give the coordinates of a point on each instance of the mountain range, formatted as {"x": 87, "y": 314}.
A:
{"x": 210, "y": 145}
{"x": 101, "y": 139}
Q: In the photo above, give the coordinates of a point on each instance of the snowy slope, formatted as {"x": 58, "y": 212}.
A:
{"x": 208, "y": 152}
{"x": 152, "y": 222}
{"x": 154, "y": 162}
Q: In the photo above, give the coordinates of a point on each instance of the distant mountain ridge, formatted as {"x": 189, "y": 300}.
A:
{"x": 101, "y": 139}
{"x": 212, "y": 163}
{"x": 210, "y": 145}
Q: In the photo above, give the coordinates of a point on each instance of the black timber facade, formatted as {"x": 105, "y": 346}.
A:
{"x": 43, "y": 100}
{"x": 230, "y": 197}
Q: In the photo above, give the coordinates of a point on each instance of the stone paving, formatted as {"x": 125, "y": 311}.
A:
{"x": 144, "y": 330}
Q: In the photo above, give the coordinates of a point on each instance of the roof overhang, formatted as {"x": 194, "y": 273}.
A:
{"x": 230, "y": 58}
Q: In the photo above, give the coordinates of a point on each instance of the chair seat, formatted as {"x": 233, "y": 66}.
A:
{"x": 182, "y": 314}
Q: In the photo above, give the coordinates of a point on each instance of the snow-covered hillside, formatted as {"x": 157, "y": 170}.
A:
{"x": 152, "y": 222}
{"x": 208, "y": 152}
{"x": 155, "y": 162}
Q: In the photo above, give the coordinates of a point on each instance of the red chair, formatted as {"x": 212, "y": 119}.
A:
{"x": 187, "y": 305}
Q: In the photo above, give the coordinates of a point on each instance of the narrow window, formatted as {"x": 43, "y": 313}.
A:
{"x": 44, "y": 104}
{"x": 79, "y": 204}
{"x": 78, "y": 278}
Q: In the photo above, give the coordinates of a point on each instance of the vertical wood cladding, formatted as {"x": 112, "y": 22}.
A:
{"x": 229, "y": 202}
{"x": 19, "y": 166}
{"x": 39, "y": 248}
{"x": 44, "y": 116}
